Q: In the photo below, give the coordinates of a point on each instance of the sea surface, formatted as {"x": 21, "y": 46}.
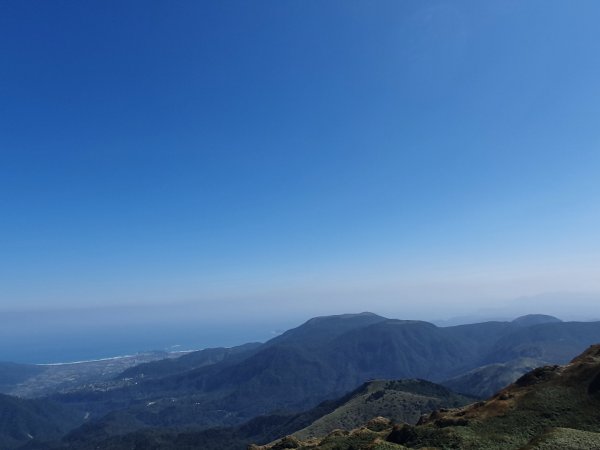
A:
{"x": 33, "y": 338}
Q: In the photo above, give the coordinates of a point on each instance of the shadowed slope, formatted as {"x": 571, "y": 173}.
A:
{"x": 549, "y": 408}
{"x": 24, "y": 420}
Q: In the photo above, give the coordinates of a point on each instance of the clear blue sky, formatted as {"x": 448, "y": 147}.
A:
{"x": 309, "y": 155}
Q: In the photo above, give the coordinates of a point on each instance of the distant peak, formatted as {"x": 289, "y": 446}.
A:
{"x": 535, "y": 319}
{"x": 327, "y": 327}
{"x": 364, "y": 314}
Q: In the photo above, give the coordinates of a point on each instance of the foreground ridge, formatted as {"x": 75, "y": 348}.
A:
{"x": 551, "y": 407}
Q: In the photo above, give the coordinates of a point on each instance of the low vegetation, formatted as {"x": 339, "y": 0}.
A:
{"x": 549, "y": 408}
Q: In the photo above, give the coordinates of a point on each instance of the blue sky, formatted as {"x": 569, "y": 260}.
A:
{"x": 298, "y": 157}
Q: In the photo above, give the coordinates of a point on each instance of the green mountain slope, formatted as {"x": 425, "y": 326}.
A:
{"x": 565, "y": 439}
{"x": 484, "y": 381}
{"x": 549, "y": 408}
{"x": 321, "y": 330}
{"x": 403, "y": 399}
{"x": 400, "y": 401}
{"x": 189, "y": 361}
{"x": 23, "y": 421}
{"x": 548, "y": 397}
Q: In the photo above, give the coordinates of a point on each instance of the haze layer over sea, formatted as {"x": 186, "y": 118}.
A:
{"x": 42, "y": 337}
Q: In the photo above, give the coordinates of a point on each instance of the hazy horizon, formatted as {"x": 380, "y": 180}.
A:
{"x": 69, "y": 335}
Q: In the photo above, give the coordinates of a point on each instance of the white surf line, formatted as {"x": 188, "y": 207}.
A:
{"x": 86, "y": 361}
{"x": 106, "y": 359}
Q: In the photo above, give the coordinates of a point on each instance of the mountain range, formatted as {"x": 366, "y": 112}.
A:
{"x": 258, "y": 392}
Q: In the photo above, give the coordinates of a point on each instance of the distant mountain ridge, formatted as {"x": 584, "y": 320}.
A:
{"x": 191, "y": 360}
{"x": 487, "y": 380}
{"x": 535, "y": 319}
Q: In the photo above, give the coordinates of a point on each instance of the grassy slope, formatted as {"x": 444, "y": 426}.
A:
{"x": 549, "y": 408}
{"x": 565, "y": 439}
{"x": 548, "y": 397}
{"x": 400, "y": 401}
{"x": 485, "y": 381}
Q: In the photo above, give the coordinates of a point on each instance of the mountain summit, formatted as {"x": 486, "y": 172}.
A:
{"x": 535, "y": 319}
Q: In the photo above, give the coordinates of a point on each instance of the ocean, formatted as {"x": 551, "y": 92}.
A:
{"x": 58, "y": 337}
